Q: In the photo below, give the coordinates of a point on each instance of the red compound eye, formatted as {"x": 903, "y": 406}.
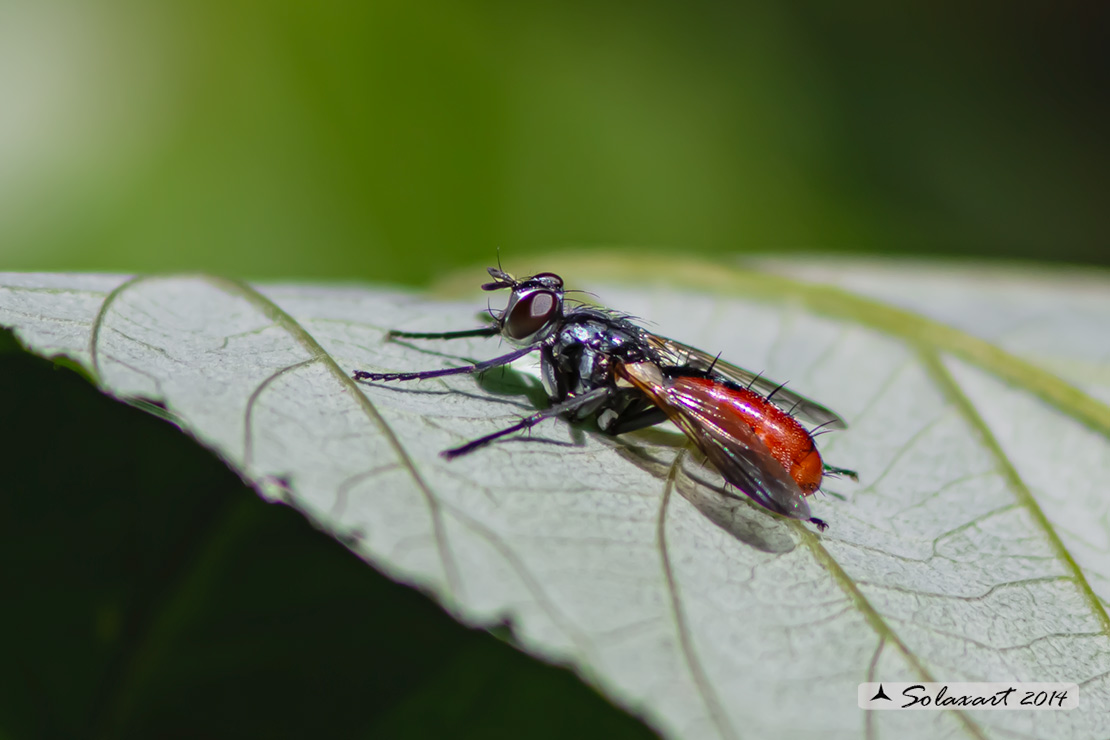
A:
{"x": 531, "y": 313}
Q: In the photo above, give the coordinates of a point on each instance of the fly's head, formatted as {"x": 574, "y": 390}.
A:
{"x": 535, "y": 305}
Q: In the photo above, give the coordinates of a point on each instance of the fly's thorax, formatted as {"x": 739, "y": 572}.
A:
{"x": 594, "y": 330}
{"x": 593, "y": 370}
{"x": 553, "y": 379}
{"x": 586, "y": 349}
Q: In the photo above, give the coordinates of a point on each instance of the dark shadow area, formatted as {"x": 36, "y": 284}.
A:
{"x": 505, "y": 381}
{"x": 704, "y": 487}
{"x": 148, "y": 593}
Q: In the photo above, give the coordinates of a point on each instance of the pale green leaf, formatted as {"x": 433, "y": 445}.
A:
{"x": 976, "y": 546}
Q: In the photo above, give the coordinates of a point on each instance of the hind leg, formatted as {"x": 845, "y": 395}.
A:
{"x": 833, "y": 470}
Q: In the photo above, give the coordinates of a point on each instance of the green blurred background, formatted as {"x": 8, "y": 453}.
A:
{"x": 397, "y": 140}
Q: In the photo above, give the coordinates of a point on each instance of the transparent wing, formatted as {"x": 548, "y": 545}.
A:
{"x": 733, "y": 448}
{"x": 683, "y": 355}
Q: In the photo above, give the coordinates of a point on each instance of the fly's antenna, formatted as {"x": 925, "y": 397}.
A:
{"x": 499, "y": 260}
{"x": 501, "y": 279}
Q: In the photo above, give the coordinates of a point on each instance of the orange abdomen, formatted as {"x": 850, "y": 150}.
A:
{"x": 789, "y": 442}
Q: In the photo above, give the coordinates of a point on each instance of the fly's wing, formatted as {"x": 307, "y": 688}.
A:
{"x": 734, "y": 449}
{"x": 683, "y": 355}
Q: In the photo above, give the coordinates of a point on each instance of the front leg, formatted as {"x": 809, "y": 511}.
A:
{"x": 463, "y": 370}
{"x": 597, "y": 395}
{"x": 485, "y": 331}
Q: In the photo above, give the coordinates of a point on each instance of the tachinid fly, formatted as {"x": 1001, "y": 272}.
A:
{"x": 596, "y": 362}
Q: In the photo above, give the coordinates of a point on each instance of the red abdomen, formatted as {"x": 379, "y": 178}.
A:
{"x": 789, "y": 442}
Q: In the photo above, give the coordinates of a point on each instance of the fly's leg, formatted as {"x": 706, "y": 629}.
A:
{"x": 833, "y": 470}
{"x": 573, "y": 404}
{"x": 639, "y": 414}
{"x": 485, "y": 331}
{"x": 463, "y": 370}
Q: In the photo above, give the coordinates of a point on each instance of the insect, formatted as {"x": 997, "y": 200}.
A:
{"x": 596, "y": 362}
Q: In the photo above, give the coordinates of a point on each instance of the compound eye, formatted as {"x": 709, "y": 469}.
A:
{"x": 531, "y": 313}
{"x": 550, "y": 278}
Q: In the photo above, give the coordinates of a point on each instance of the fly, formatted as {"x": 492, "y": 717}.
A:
{"x": 598, "y": 363}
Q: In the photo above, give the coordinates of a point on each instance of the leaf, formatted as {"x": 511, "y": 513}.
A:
{"x": 975, "y": 547}
{"x": 149, "y": 588}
